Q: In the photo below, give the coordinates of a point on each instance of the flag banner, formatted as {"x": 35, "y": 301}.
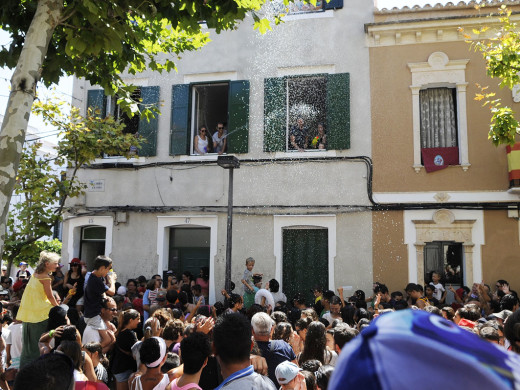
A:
{"x": 439, "y": 158}
{"x": 513, "y": 161}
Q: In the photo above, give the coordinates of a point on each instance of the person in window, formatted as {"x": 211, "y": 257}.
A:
{"x": 299, "y": 136}
{"x": 220, "y": 139}
{"x": 320, "y": 141}
{"x": 200, "y": 144}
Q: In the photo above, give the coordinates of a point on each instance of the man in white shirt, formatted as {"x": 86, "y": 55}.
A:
{"x": 108, "y": 312}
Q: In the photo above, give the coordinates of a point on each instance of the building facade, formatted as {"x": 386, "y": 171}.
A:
{"x": 461, "y": 221}
{"x": 301, "y": 204}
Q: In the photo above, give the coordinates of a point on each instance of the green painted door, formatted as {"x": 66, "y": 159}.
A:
{"x": 189, "y": 249}
{"x": 305, "y": 261}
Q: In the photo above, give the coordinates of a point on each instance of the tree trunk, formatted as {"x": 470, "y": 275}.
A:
{"x": 23, "y": 88}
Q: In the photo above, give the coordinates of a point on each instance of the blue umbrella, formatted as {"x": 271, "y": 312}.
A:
{"x": 412, "y": 349}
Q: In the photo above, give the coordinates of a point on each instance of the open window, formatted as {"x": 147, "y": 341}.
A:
{"x": 309, "y": 112}
{"x": 102, "y": 106}
{"x": 208, "y": 104}
{"x": 209, "y": 109}
{"x": 306, "y": 111}
{"x": 131, "y": 124}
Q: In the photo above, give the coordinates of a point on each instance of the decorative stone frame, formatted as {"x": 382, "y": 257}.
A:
{"x": 74, "y": 226}
{"x": 164, "y": 223}
{"x": 440, "y": 71}
{"x": 461, "y": 226}
{"x": 304, "y": 221}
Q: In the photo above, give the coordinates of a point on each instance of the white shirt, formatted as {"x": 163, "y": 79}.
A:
{"x": 90, "y": 335}
{"x": 14, "y": 338}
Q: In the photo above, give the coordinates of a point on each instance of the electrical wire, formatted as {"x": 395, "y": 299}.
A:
{"x": 373, "y": 206}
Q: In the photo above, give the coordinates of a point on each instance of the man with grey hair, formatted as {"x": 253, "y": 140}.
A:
{"x": 274, "y": 351}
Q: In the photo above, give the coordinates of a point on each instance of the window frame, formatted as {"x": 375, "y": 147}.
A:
{"x": 276, "y": 116}
{"x": 288, "y": 124}
{"x": 440, "y": 71}
{"x": 237, "y": 119}
{"x": 193, "y": 128}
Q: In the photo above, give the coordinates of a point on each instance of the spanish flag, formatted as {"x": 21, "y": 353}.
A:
{"x": 513, "y": 162}
{"x": 439, "y": 158}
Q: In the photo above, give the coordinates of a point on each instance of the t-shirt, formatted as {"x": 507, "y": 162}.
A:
{"x": 275, "y": 352}
{"x": 94, "y": 291}
{"x": 14, "y": 338}
{"x": 246, "y": 379}
{"x": 123, "y": 361}
{"x": 439, "y": 290}
{"x": 279, "y": 296}
{"x": 219, "y": 141}
{"x": 248, "y": 277}
{"x": 26, "y": 274}
{"x": 90, "y": 335}
{"x": 263, "y": 293}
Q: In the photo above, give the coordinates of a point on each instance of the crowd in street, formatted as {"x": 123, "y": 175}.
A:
{"x": 65, "y": 330}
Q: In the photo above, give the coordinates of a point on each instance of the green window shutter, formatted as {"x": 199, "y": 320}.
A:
{"x": 97, "y": 102}
{"x": 180, "y": 134}
{"x": 238, "y": 124}
{"x": 148, "y": 129}
{"x": 338, "y": 111}
{"x": 275, "y": 113}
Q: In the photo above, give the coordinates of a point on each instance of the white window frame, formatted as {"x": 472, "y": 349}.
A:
{"x": 288, "y": 125}
{"x": 464, "y": 226}
{"x": 194, "y": 128}
{"x": 304, "y": 221}
{"x": 74, "y": 225}
{"x": 164, "y": 223}
{"x": 440, "y": 71}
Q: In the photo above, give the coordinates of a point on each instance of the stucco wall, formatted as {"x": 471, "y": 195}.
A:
{"x": 392, "y": 124}
{"x": 390, "y": 253}
{"x": 501, "y": 254}
{"x": 135, "y": 250}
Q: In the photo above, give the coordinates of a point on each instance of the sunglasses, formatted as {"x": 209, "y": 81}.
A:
{"x": 203, "y": 131}
{"x": 220, "y": 128}
{"x": 112, "y": 310}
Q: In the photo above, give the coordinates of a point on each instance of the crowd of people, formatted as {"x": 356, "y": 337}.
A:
{"x": 62, "y": 331}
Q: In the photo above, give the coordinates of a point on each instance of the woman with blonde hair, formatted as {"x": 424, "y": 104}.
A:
{"x": 36, "y": 302}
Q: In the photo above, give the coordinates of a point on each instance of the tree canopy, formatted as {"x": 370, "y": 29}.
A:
{"x": 98, "y": 41}
{"x": 43, "y": 184}
{"x": 502, "y": 55}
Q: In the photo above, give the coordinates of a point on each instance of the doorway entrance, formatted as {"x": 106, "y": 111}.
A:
{"x": 189, "y": 249}
{"x": 305, "y": 261}
{"x": 92, "y": 244}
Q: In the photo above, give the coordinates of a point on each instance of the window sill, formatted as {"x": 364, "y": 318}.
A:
{"x": 309, "y": 15}
{"x": 464, "y": 167}
{"x": 205, "y": 157}
{"x": 306, "y": 154}
{"x": 119, "y": 159}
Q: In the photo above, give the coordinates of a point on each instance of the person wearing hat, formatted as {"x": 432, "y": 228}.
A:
{"x": 289, "y": 376}
{"x": 4, "y": 270}
{"x": 23, "y": 273}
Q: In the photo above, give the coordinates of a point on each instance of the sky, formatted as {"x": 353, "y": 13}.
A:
{"x": 64, "y": 89}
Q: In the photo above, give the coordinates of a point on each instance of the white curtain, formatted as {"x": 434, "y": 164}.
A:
{"x": 438, "y": 121}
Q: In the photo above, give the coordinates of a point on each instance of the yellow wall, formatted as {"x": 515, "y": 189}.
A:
{"x": 501, "y": 254}
{"x": 392, "y": 142}
{"x": 390, "y": 257}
